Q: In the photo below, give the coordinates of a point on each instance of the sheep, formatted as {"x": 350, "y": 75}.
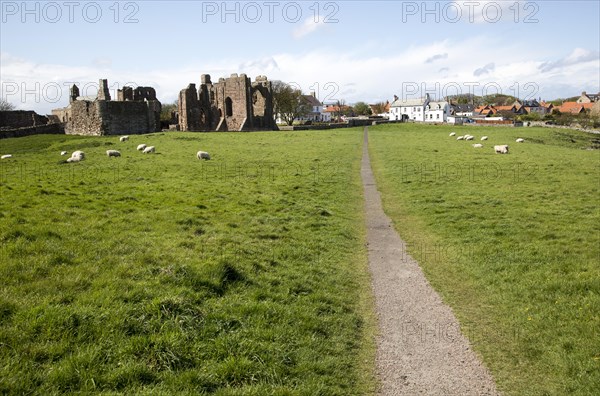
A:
{"x": 460, "y": 138}
{"x": 484, "y": 138}
{"x": 478, "y": 145}
{"x": 203, "y": 155}
{"x": 6, "y": 156}
{"x": 141, "y": 147}
{"x": 113, "y": 153}
{"x": 148, "y": 150}
{"x": 77, "y": 156}
{"x": 520, "y": 140}
{"x": 453, "y": 134}
{"x": 469, "y": 137}
{"x": 502, "y": 149}
{"x": 124, "y": 138}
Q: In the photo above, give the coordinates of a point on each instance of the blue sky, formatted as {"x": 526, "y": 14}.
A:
{"x": 351, "y": 50}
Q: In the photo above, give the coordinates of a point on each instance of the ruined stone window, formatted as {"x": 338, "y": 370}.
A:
{"x": 228, "y": 107}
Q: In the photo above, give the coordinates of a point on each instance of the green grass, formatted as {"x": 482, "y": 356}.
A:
{"x": 512, "y": 242}
{"x": 163, "y": 274}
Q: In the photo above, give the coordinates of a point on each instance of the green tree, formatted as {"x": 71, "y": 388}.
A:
{"x": 167, "y": 110}
{"x": 362, "y": 109}
{"x": 379, "y": 107}
{"x": 288, "y": 102}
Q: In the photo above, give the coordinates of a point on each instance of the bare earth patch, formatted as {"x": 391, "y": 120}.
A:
{"x": 420, "y": 349}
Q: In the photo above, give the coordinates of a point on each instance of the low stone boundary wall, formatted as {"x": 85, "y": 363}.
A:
{"x": 49, "y": 129}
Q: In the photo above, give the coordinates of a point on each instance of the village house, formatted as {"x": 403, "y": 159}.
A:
{"x": 409, "y": 109}
{"x": 588, "y": 98}
{"x": 375, "y": 109}
{"x": 437, "y": 111}
{"x": 462, "y": 110}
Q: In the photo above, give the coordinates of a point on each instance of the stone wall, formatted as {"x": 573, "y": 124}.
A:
{"x": 112, "y": 117}
{"x": 21, "y": 119}
{"x": 231, "y": 104}
{"x": 135, "y": 111}
{"x": 34, "y": 130}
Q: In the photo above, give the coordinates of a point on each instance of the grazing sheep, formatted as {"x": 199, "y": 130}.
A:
{"x": 6, "y": 156}
{"x": 113, "y": 153}
{"x": 484, "y": 138}
{"x": 63, "y": 153}
{"x": 520, "y": 140}
{"x": 203, "y": 155}
{"x": 453, "y": 134}
{"x": 502, "y": 149}
{"x": 148, "y": 150}
{"x": 141, "y": 147}
{"x": 77, "y": 156}
{"x": 478, "y": 145}
{"x": 124, "y": 138}
{"x": 460, "y": 138}
{"x": 469, "y": 137}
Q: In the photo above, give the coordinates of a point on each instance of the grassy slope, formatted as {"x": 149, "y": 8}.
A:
{"x": 511, "y": 241}
{"x": 160, "y": 273}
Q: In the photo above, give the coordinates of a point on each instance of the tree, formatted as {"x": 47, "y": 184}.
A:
{"x": 362, "y": 109}
{"x": 167, "y": 110}
{"x": 288, "y": 102}
{"x": 5, "y": 105}
{"x": 379, "y": 108}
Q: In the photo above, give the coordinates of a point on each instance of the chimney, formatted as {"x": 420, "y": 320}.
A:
{"x": 395, "y": 98}
{"x": 313, "y": 93}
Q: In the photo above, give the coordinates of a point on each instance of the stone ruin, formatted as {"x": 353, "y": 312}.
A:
{"x": 135, "y": 111}
{"x": 231, "y": 104}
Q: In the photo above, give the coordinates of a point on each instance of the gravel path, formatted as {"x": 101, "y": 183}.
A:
{"x": 420, "y": 350}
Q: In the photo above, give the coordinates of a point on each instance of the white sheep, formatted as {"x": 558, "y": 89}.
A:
{"x": 502, "y": 149}
{"x": 478, "y": 145}
{"x": 520, "y": 140}
{"x": 148, "y": 150}
{"x": 63, "y": 153}
{"x": 77, "y": 156}
{"x": 460, "y": 138}
{"x": 113, "y": 153}
{"x": 141, "y": 147}
{"x": 6, "y": 156}
{"x": 484, "y": 138}
{"x": 469, "y": 137}
{"x": 453, "y": 134}
{"x": 203, "y": 155}
{"x": 124, "y": 138}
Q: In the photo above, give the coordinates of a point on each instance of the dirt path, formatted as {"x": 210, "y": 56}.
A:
{"x": 420, "y": 350}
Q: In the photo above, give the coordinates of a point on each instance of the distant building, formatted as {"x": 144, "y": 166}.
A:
{"x": 409, "y": 109}
{"x": 462, "y": 110}
{"x": 316, "y": 113}
{"x": 574, "y": 107}
{"x": 437, "y": 111}
{"x": 588, "y": 98}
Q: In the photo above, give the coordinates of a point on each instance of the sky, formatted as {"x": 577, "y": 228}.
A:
{"x": 342, "y": 50}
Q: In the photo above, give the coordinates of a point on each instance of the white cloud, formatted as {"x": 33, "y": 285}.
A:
{"x": 308, "y": 26}
{"x": 352, "y": 76}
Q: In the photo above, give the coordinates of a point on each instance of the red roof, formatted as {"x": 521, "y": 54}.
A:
{"x": 574, "y": 107}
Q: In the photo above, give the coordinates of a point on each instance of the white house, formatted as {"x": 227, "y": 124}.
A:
{"x": 315, "y": 113}
{"x": 409, "y": 109}
{"x": 437, "y": 111}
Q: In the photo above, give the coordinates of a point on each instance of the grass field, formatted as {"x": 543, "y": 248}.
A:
{"x": 512, "y": 242}
{"x": 162, "y": 274}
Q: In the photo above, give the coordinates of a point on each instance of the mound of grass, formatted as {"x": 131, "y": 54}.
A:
{"x": 164, "y": 274}
{"x": 512, "y": 242}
